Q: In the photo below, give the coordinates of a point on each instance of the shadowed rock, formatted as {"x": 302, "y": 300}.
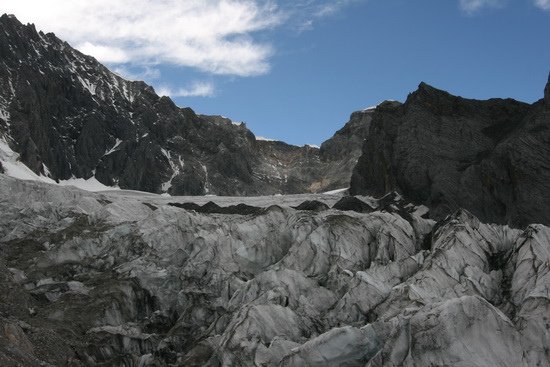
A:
{"x": 213, "y": 208}
{"x": 312, "y": 205}
{"x": 354, "y": 204}
{"x": 66, "y": 115}
{"x": 447, "y": 152}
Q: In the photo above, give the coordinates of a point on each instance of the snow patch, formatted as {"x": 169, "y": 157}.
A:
{"x": 91, "y": 184}
{"x": 334, "y": 192}
{"x": 126, "y": 92}
{"x": 46, "y": 170}
{"x": 166, "y": 154}
{"x": 117, "y": 143}
{"x": 261, "y": 138}
{"x": 5, "y": 102}
{"x": 13, "y": 167}
{"x": 90, "y": 87}
{"x": 206, "y": 189}
{"x": 4, "y": 115}
{"x": 176, "y": 168}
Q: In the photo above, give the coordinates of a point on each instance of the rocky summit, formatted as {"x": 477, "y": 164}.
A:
{"x": 67, "y": 117}
{"x": 440, "y": 258}
{"x": 491, "y": 157}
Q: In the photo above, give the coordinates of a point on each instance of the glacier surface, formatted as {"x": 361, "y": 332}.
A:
{"x": 128, "y": 278}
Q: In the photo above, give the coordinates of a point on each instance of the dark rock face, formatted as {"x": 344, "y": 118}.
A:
{"x": 213, "y": 208}
{"x": 351, "y": 203}
{"x": 354, "y": 132}
{"x": 312, "y": 205}
{"x": 67, "y": 115}
{"x": 490, "y": 157}
{"x": 342, "y": 151}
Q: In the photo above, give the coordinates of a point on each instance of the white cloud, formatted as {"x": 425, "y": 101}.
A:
{"x": 306, "y": 13}
{"x": 543, "y": 4}
{"x": 332, "y": 7}
{"x": 472, "y": 6}
{"x": 104, "y": 53}
{"x": 213, "y": 36}
{"x": 196, "y": 89}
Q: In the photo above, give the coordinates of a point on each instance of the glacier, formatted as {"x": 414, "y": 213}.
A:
{"x": 129, "y": 278}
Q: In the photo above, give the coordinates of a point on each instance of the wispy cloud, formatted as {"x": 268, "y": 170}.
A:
{"x": 196, "y": 89}
{"x": 303, "y": 15}
{"x": 543, "y": 4}
{"x": 472, "y": 6}
{"x": 332, "y": 7}
{"x": 213, "y": 36}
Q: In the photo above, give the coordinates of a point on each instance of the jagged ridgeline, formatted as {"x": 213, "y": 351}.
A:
{"x": 67, "y": 116}
{"x": 127, "y": 278}
{"x": 491, "y": 157}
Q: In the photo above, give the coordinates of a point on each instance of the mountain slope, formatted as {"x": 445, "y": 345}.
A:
{"x": 491, "y": 157}
{"x": 67, "y": 117}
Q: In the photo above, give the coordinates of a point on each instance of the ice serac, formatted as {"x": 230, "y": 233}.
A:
{"x": 448, "y": 152}
{"x": 124, "y": 278}
{"x": 67, "y": 116}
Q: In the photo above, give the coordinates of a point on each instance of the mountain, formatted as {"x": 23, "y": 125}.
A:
{"x": 66, "y": 117}
{"x": 402, "y": 277}
{"x": 490, "y": 157}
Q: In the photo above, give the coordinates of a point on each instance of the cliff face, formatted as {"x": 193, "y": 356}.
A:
{"x": 342, "y": 151}
{"x": 66, "y": 116}
{"x": 490, "y": 157}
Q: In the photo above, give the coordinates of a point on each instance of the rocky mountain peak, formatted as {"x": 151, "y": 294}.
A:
{"x": 449, "y": 152}
{"x": 425, "y": 89}
{"x": 431, "y": 97}
{"x": 65, "y": 116}
{"x": 7, "y": 18}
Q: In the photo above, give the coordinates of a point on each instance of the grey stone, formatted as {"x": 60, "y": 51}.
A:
{"x": 66, "y": 115}
{"x": 447, "y": 152}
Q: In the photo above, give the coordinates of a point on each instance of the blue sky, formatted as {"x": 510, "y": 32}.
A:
{"x": 295, "y": 70}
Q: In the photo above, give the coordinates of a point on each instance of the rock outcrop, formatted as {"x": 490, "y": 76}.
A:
{"x": 67, "y": 116}
{"x": 127, "y": 279}
{"x": 490, "y": 157}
